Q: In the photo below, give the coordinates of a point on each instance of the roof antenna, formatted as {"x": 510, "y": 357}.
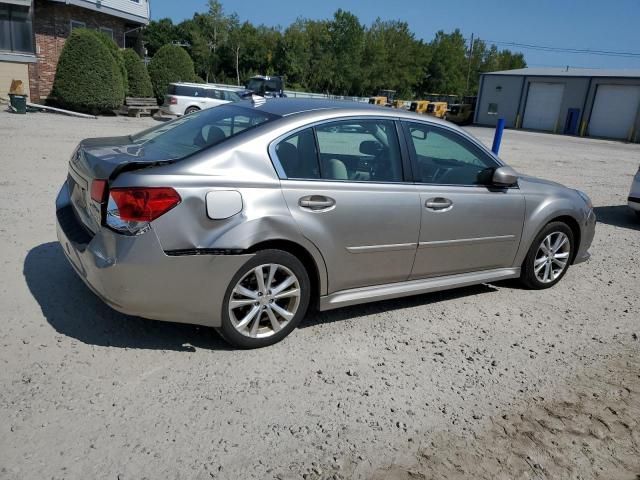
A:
{"x": 567, "y": 68}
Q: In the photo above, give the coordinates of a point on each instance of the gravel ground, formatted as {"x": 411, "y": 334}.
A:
{"x": 489, "y": 381}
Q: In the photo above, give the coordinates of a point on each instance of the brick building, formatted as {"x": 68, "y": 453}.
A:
{"x": 33, "y": 32}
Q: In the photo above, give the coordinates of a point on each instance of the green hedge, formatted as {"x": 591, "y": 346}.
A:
{"x": 170, "y": 64}
{"x": 116, "y": 53}
{"x": 138, "y": 77}
{"x": 88, "y": 77}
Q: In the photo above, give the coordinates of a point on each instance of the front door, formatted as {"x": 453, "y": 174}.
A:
{"x": 343, "y": 182}
{"x": 466, "y": 225}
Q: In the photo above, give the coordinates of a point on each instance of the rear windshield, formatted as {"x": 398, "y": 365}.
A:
{"x": 192, "y": 133}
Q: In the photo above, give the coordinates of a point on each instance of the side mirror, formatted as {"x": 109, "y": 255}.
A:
{"x": 504, "y": 177}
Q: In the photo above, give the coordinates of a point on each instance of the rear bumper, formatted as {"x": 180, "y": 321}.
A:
{"x": 634, "y": 203}
{"x": 171, "y": 110}
{"x": 134, "y": 275}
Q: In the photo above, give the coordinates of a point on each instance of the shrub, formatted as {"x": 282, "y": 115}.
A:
{"x": 116, "y": 53}
{"x": 138, "y": 77}
{"x": 170, "y": 64}
{"x": 87, "y": 78}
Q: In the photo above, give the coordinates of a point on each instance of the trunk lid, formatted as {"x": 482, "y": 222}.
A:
{"x": 101, "y": 158}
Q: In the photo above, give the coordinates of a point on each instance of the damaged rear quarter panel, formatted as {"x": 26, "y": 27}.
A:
{"x": 265, "y": 215}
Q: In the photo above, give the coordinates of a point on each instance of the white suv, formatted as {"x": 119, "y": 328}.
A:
{"x": 186, "y": 98}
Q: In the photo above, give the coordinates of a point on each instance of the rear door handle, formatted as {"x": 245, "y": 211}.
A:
{"x": 316, "y": 202}
{"x": 438, "y": 204}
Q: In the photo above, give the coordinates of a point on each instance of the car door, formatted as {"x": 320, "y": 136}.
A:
{"x": 344, "y": 184}
{"x": 466, "y": 224}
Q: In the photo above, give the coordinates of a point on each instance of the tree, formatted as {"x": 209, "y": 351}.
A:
{"x": 138, "y": 77}
{"x": 347, "y": 44}
{"x": 87, "y": 78}
{"x": 446, "y": 70}
{"x": 170, "y": 64}
{"x": 160, "y": 33}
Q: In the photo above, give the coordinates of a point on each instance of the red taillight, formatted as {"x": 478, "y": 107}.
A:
{"x": 144, "y": 204}
{"x": 98, "y": 190}
{"x": 173, "y": 101}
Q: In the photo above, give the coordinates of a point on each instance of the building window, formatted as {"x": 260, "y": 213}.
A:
{"x": 75, "y": 24}
{"x": 107, "y": 31}
{"x": 493, "y": 109}
{"x": 16, "y": 29}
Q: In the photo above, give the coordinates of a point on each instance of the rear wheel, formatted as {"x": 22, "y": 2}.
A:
{"x": 265, "y": 300}
{"x": 549, "y": 256}
{"x": 191, "y": 110}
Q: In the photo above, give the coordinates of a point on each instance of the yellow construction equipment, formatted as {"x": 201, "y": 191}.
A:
{"x": 437, "y": 109}
{"x": 419, "y": 106}
{"x": 384, "y": 98}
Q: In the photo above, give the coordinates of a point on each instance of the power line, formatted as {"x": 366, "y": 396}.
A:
{"x": 583, "y": 51}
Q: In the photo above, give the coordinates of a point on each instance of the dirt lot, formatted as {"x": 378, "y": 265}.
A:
{"x": 490, "y": 381}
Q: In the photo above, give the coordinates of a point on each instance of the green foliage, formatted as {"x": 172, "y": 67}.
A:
{"x": 138, "y": 78}
{"x": 88, "y": 77}
{"x": 338, "y": 55}
{"x": 170, "y": 64}
{"x": 116, "y": 53}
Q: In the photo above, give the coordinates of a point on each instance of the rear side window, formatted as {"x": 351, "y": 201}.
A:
{"x": 360, "y": 150}
{"x": 190, "y": 134}
{"x": 354, "y": 150}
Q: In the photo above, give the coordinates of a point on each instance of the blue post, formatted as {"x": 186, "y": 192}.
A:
{"x": 498, "y": 136}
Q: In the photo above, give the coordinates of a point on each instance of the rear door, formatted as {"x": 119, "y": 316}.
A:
{"x": 466, "y": 225}
{"x": 345, "y": 186}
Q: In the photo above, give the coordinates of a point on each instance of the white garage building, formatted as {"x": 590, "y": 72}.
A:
{"x": 570, "y": 101}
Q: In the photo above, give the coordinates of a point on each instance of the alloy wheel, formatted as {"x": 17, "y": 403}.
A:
{"x": 264, "y": 300}
{"x": 552, "y": 257}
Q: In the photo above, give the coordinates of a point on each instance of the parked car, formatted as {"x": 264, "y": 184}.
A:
{"x": 186, "y": 98}
{"x": 634, "y": 194}
{"x": 242, "y": 216}
{"x": 266, "y": 86}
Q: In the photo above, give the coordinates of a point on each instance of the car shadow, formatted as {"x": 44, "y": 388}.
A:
{"x": 618, "y": 216}
{"x": 75, "y": 311}
{"x": 345, "y": 313}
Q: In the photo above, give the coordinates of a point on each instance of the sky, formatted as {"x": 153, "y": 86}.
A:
{"x": 587, "y": 24}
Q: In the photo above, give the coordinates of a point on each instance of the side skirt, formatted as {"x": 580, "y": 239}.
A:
{"x": 374, "y": 293}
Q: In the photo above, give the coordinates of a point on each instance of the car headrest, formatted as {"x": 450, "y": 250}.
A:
{"x": 370, "y": 147}
{"x": 287, "y": 154}
{"x": 215, "y": 135}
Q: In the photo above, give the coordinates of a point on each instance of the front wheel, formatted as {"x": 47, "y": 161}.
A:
{"x": 265, "y": 300}
{"x": 549, "y": 256}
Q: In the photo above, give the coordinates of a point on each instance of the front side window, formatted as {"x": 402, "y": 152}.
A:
{"x": 195, "y": 132}
{"x": 446, "y": 158}
{"x": 359, "y": 151}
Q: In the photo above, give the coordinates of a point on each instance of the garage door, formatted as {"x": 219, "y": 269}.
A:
{"x": 543, "y": 106}
{"x": 614, "y": 111}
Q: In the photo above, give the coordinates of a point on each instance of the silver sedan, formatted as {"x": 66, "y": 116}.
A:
{"x": 243, "y": 216}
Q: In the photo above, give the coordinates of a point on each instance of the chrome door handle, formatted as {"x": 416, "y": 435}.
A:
{"x": 438, "y": 204}
{"x": 316, "y": 202}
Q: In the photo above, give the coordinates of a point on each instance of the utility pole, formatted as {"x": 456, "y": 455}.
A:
{"x": 470, "y": 58}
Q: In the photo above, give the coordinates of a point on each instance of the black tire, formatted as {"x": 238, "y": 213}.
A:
{"x": 528, "y": 277}
{"x": 280, "y": 257}
{"x": 191, "y": 110}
